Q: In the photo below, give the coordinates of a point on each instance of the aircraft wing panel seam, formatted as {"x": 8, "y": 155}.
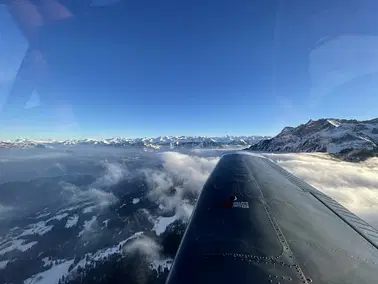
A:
{"x": 252, "y": 257}
{"x": 370, "y": 235}
{"x": 278, "y": 231}
{"x": 332, "y": 249}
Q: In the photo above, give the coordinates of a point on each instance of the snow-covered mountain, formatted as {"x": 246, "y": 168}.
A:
{"x": 81, "y": 244}
{"x": 156, "y": 142}
{"x": 350, "y": 139}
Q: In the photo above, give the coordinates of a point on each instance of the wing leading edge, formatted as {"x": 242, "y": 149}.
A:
{"x": 256, "y": 223}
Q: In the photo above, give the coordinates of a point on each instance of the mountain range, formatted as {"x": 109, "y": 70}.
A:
{"x": 156, "y": 143}
{"x": 350, "y": 140}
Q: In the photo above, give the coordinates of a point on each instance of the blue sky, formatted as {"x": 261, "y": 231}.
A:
{"x": 195, "y": 68}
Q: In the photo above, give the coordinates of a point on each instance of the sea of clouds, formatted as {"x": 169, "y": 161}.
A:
{"x": 354, "y": 185}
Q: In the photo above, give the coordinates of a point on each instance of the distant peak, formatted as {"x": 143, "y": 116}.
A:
{"x": 335, "y": 136}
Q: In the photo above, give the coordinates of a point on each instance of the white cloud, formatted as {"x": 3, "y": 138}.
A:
{"x": 182, "y": 175}
{"x": 144, "y": 245}
{"x": 184, "y": 210}
{"x": 75, "y": 194}
{"x": 102, "y": 198}
{"x": 192, "y": 170}
{"x": 159, "y": 183}
{"x": 114, "y": 173}
{"x": 354, "y": 185}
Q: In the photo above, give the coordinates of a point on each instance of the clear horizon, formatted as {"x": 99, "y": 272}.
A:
{"x": 182, "y": 135}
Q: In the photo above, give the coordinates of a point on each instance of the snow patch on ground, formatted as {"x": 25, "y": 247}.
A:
{"x": 46, "y": 261}
{"x": 72, "y": 221}
{"x": 72, "y": 208}
{"x": 89, "y": 209}
{"x": 39, "y": 228}
{"x": 16, "y": 245}
{"x": 163, "y": 263}
{"x": 136, "y": 200}
{"x": 52, "y": 275}
{"x": 58, "y": 217}
{"x": 103, "y": 253}
{"x": 162, "y": 223}
{"x": 39, "y": 216}
{"x": 114, "y": 249}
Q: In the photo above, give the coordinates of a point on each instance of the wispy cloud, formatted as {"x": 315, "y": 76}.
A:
{"x": 75, "y": 194}
{"x": 113, "y": 174}
{"x": 90, "y": 230}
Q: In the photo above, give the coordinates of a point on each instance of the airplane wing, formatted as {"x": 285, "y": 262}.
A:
{"x": 256, "y": 223}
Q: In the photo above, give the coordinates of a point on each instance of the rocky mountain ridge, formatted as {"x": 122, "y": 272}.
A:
{"x": 350, "y": 140}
